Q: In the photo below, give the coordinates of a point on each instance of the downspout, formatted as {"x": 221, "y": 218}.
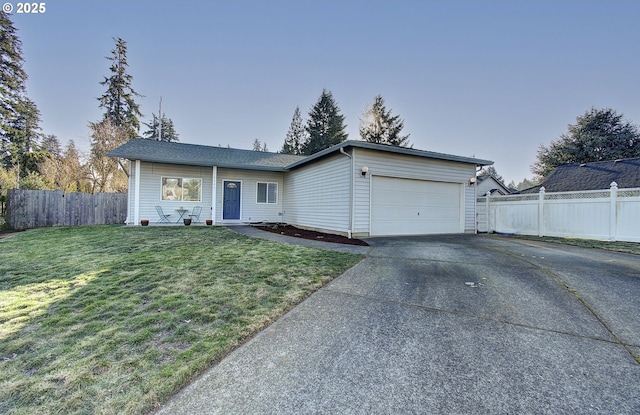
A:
{"x": 123, "y": 168}
{"x": 351, "y": 198}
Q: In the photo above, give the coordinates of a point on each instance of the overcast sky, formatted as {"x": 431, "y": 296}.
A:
{"x": 491, "y": 79}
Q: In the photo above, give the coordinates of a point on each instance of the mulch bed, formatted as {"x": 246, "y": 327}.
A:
{"x": 289, "y": 230}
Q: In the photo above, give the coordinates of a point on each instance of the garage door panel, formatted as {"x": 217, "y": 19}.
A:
{"x": 414, "y": 207}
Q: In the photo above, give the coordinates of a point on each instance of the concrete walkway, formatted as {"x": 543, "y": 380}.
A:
{"x": 445, "y": 325}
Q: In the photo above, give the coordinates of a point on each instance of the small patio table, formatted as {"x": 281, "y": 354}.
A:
{"x": 181, "y": 213}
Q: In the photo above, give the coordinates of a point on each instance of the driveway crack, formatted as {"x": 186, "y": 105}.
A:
{"x": 617, "y": 341}
{"x": 572, "y": 291}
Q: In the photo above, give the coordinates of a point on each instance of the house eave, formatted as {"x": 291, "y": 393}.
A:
{"x": 198, "y": 155}
{"x": 205, "y": 164}
{"x": 389, "y": 149}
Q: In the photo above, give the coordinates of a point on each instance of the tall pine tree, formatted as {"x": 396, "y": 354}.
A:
{"x": 119, "y": 99}
{"x": 296, "y": 135}
{"x": 325, "y": 126}
{"x": 379, "y": 126}
{"x": 259, "y": 146}
{"x": 19, "y": 116}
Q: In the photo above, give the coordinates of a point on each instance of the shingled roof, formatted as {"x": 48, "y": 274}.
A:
{"x": 591, "y": 176}
{"x": 198, "y": 155}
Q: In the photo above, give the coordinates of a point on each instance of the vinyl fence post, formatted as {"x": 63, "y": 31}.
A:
{"x": 613, "y": 211}
{"x": 487, "y": 206}
{"x": 541, "y": 211}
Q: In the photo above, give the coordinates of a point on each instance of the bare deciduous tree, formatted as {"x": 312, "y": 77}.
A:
{"x": 107, "y": 175}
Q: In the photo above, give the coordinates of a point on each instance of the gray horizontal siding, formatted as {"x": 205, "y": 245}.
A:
{"x": 318, "y": 195}
{"x": 151, "y": 190}
{"x": 250, "y": 209}
{"x": 405, "y": 166}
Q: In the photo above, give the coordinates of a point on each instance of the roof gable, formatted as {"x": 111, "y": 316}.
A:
{"x": 491, "y": 183}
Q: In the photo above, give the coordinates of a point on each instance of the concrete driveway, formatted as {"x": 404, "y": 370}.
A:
{"x": 446, "y": 325}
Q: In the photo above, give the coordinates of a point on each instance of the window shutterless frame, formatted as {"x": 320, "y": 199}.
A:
{"x": 181, "y": 189}
{"x": 267, "y": 192}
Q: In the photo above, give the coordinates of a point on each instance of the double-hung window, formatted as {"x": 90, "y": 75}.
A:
{"x": 267, "y": 193}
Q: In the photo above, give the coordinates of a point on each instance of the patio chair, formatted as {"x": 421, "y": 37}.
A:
{"x": 164, "y": 218}
{"x": 195, "y": 214}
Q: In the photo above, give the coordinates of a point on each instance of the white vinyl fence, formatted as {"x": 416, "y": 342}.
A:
{"x": 612, "y": 214}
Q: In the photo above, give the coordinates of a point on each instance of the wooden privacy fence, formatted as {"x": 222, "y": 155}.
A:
{"x": 612, "y": 214}
{"x": 28, "y": 209}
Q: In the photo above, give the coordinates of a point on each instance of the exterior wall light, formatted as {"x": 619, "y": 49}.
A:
{"x": 472, "y": 181}
{"x": 364, "y": 170}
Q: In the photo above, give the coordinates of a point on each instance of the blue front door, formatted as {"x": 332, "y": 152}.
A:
{"x": 231, "y": 201}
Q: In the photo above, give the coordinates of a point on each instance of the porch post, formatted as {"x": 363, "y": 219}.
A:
{"x": 214, "y": 176}
{"x": 487, "y": 206}
{"x": 136, "y": 196}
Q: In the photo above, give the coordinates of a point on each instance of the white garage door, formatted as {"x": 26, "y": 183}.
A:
{"x": 414, "y": 207}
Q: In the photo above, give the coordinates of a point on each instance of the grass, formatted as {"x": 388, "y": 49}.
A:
{"x": 627, "y": 247}
{"x": 114, "y": 320}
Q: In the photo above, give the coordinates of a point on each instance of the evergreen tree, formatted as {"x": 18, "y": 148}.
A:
{"x": 51, "y": 144}
{"x": 118, "y": 100}
{"x": 598, "y": 135}
{"x": 490, "y": 171}
{"x": 23, "y": 138}
{"x": 325, "y": 125}
{"x": 258, "y": 146}
{"x": 524, "y": 184}
{"x": 296, "y": 136}
{"x": 379, "y": 126}
{"x": 12, "y": 87}
{"x": 168, "y": 130}
{"x": 19, "y": 116}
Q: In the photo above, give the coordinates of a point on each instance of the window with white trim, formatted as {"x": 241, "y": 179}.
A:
{"x": 183, "y": 189}
{"x": 267, "y": 193}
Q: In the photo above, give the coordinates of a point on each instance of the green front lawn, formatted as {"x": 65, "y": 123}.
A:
{"x": 113, "y": 320}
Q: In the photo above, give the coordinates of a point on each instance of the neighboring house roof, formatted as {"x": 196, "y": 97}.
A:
{"x": 492, "y": 184}
{"x": 591, "y": 176}
{"x": 199, "y": 155}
